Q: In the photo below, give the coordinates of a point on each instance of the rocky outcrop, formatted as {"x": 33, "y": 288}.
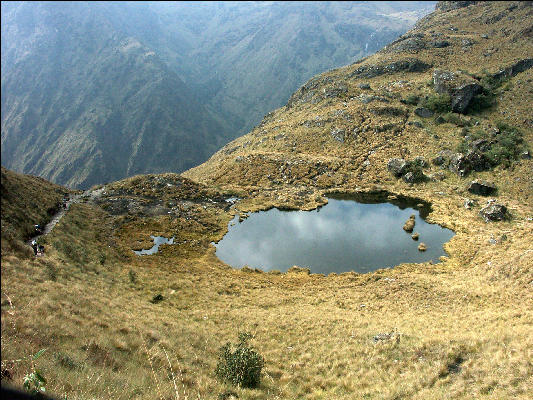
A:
{"x": 460, "y": 87}
{"x": 493, "y": 211}
{"x": 515, "y": 69}
{"x": 452, "y": 5}
{"x": 423, "y": 112}
{"x": 482, "y": 188}
{"x": 406, "y": 65}
{"x": 459, "y": 164}
{"x": 462, "y": 164}
{"x": 397, "y": 166}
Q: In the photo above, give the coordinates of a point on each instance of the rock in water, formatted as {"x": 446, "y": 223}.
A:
{"x": 415, "y": 236}
{"x": 409, "y": 224}
{"x": 422, "y": 247}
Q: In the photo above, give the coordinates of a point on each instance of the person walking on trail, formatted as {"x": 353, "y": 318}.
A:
{"x": 34, "y": 247}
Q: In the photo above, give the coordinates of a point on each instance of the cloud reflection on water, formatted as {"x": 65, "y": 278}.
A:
{"x": 343, "y": 236}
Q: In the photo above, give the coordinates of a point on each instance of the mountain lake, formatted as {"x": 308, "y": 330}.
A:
{"x": 351, "y": 233}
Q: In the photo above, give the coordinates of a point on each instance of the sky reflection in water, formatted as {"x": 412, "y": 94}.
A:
{"x": 342, "y": 236}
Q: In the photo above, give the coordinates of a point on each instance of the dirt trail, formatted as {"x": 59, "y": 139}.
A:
{"x": 89, "y": 194}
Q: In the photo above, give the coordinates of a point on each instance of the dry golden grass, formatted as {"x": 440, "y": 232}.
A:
{"x": 462, "y": 328}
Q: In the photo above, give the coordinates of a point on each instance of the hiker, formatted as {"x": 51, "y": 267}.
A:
{"x": 41, "y": 249}
{"x": 34, "y": 247}
{"x": 38, "y": 229}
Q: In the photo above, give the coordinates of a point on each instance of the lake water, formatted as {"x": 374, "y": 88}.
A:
{"x": 158, "y": 240}
{"x": 344, "y": 235}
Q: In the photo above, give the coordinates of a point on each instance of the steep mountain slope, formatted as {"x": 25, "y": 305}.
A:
{"x": 118, "y": 325}
{"x": 93, "y": 92}
{"x": 83, "y": 103}
{"x": 350, "y": 121}
{"x": 247, "y": 58}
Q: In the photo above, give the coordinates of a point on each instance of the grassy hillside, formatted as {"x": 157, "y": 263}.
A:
{"x": 116, "y": 325}
{"x": 26, "y": 201}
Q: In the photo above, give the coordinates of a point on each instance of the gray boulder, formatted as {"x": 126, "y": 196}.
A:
{"x": 493, "y": 211}
{"x": 459, "y": 164}
{"x": 443, "y": 158}
{"x": 397, "y": 166}
{"x": 423, "y": 112}
{"x": 482, "y": 188}
{"x": 439, "y": 44}
{"x": 478, "y": 161}
{"x": 338, "y": 134}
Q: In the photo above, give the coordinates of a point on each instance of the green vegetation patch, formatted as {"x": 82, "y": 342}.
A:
{"x": 241, "y": 366}
{"x": 501, "y": 147}
{"x": 439, "y": 103}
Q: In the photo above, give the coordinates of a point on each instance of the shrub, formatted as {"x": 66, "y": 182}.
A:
{"x": 412, "y": 99}
{"x": 441, "y": 103}
{"x": 454, "y": 118}
{"x": 417, "y": 170}
{"x": 502, "y": 148}
{"x": 241, "y": 366}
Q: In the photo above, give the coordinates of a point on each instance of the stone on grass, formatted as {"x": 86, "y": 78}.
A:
{"x": 482, "y": 188}
{"x": 493, "y": 211}
{"x": 397, "y": 166}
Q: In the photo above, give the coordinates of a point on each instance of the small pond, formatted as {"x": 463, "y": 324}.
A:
{"x": 158, "y": 241}
{"x": 344, "y": 235}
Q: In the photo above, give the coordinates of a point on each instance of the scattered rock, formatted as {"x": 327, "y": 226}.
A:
{"x": 408, "y": 44}
{"x": 515, "y": 69}
{"x": 493, "y": 211}
{"x": 423, "y": 112}
{"x": 482, "y": 188}
{"x": 467, "y": 42}
{"x": 452, "y": 5}
{"x": 418, "y": 124}
{"x": 459, "y": 164}
{"x": 364, "y": 86}
{"x": 439, "y": 44}
{"x": 415, "y": 236}
{"x": 157, "y": 298}
{"x": 443, "y": 158}
{"x": 365, "y": 99}
{"x": 384, "y": 337}
{"x": 405, "y": 65}
{"x": 422, "y": 247}
{"x": 469, "y": 203}
{"x": 397, "y": 166}
{"x": 338, "y": 134}
{"x": 409, "y": 224}
{"x": 409, "y": 178}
